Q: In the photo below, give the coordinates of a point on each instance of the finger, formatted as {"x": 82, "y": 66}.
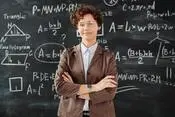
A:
{"x": 114, "y": 82}
{"x": 109, "y": 80}
{"x": 109, "y": 77}
{"x": 65, "y": 78}
{"x": 67, "y": 74}
{"x": 110, "y": 84}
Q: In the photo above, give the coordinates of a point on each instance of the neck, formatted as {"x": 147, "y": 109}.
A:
{"x": 88, "y": 43}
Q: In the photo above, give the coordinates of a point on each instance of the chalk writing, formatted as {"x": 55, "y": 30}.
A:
{"x": 166, "y": 13}
{"x": 167, "y": 52}
{"x": 147, "y": 78}
{"x": 110, "y": 2}
{"x": 49, "y": 52}
{"x": 139, "y": 7}
{"x": 148, "y": 27}
{"x": 33, "y": 90}
{"x": 49, "y": 9}
{"x": 126, "y": 88}
{"x": 142, "y": 77}
{"x": 140, "y": 54}
{"x": 54, "y": 27}
{"x": 15, "y": 84}
{"x": 141, "y": 28}
{"x": 43, "y": 76}
{"x": 14, "y": 47}
{"x": 161, "y": 41}
{"x": 19, "y": 16}
{"x": 107, "y": 13}
{"x": 14, "y": 30}
{"x": 168, "y": 73}
{"x": 16, "y": 59}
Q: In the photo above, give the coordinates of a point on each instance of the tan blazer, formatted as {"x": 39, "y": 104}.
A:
{"x": 101, "y": 103}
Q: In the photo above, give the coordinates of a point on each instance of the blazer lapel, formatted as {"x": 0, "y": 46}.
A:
{"x": 80, "y": 59}
{"x": 96, "y": 56}
{"x": 78, "y": 55}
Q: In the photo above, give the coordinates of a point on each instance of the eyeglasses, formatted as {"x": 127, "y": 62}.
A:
{"x": 89, "y": 24}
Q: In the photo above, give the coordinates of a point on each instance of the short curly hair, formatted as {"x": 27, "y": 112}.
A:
{"x": 84, "y": 9}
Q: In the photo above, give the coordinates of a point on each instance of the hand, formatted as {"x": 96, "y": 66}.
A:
{"x": 107, "y": 82}
{"x": 67, "y": 77}
{"x": 84, "y": 96}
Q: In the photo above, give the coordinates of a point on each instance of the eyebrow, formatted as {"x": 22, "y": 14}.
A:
{"x": 86, "y": 21}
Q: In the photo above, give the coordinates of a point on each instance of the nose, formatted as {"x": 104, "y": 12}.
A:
{"x": 86, "y": 26}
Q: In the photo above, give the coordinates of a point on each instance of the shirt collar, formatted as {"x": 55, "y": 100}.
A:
{"x": 91, "y": 48}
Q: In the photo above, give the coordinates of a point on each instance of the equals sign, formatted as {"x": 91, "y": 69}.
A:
{"x": 120, "y": 26}
{"x": 45, "y": 29}
{"x": 48, "y": 55}
{"x": 38, "y": 10}
{"x": 124, "y": 58}
{"x": 173, "y": 14}
{"x": 168, "y": 73}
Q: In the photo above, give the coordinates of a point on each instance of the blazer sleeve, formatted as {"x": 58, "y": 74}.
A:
{"x": 62, "y": 87}
{"x": 106, "y": 94}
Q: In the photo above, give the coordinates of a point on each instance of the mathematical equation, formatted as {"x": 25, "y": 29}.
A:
{"x": 146, "y": 78}
{"x": 39, "y": 83}
{"x": 132, "y": 5}
{"x": 49, "y": 9}
{"x": 49, "y": 52}
{"x": 54, "y": 27}
{"x": 168, "y": 52}
{"x": 37, "y": 86}
{"x": 164, "y": 51}
{"x": 141, "y": 28}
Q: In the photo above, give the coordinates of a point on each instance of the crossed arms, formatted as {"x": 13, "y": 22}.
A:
{"x": 104, "y": 90}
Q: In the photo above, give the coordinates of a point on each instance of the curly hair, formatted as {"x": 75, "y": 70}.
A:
{"x": 84, "y": 9}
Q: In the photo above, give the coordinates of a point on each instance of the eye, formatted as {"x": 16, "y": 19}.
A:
{"x": 90, "y": 23}
{"x": 81, "y": 24}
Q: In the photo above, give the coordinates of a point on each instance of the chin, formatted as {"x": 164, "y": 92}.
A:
{"x": 86, "y": 37}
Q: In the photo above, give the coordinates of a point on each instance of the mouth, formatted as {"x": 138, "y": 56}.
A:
{"x": 87, "y": 33}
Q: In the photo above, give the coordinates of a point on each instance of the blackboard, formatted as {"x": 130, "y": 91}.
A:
{"x": 33, "y": 34}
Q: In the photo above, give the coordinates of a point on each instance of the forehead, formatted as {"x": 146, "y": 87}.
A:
{"x": 87, "y": 17}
